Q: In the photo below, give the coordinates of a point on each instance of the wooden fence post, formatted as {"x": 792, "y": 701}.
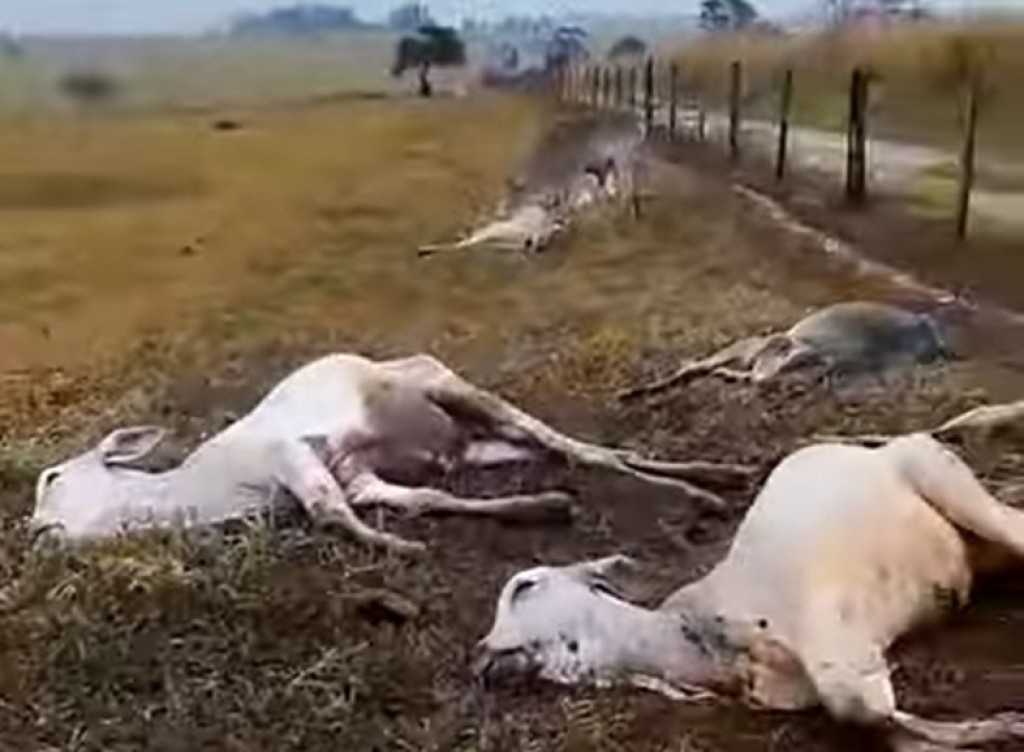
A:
{"x": 649, "y": 95}
{"x": 785, "y": 104}
{"x": 673, "y": 100}
{"x": 619, "y": 96}
{"x": 856, "y": 140}
{"x": 735, "y": 92}
{"x": 595, "y": 83}
{"x": 702, "y": 121}
{"x": 606, "y": 87}
{"x": 967, "y": 154}
{"x": 632, "y": 89}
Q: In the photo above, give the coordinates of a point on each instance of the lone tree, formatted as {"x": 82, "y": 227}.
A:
{"x": 727, "y": 15}
{"x": 410, "y": 17}
{"x": 566, "y": 45}
{"x": 627, "y": 46}
{"x": 431, "y": 46}
{"x": 10, "y": 48}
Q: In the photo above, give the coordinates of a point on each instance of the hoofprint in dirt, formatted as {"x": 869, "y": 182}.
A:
{"x": 285, "y": 640}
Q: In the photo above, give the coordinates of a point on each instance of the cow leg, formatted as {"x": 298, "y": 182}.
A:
{"x": 947, "y": 483}
{"x": 981, "y": 420}
{"x": 464, "y": 400}
{"x": 461, "y": 398}
{"x": 494, "y": 452}
{"x": 952, "y": 735}
{"x": 370, "y": 490}
{"x": 984, "y": 420}
{"x": 849, "y": 672}
{"x": 689, "y": 371}
{"x": 742, "y": 353}
{"x": 304, "y": 474}
{"x": 735, "y": 375}
{"x": 712, "y": 473}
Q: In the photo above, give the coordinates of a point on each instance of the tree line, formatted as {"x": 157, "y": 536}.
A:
{"x": 309, "y": 19}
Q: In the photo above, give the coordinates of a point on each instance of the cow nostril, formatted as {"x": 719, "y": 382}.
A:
{"x": 496, "y": 667}
{"x": 43, "y": 535}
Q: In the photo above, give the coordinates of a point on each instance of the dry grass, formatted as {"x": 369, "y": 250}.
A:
{"x": 302, "y": 227}
{"x": 177, "y": 73}
{"x": 920, "y": 67}
{"x": 123, "y": 231}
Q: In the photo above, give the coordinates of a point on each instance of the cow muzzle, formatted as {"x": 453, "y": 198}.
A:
{"x": 493, "y": 668}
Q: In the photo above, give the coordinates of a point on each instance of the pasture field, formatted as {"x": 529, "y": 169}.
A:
{"x": 195, "y": 73}
{"x": 156, "y": 268}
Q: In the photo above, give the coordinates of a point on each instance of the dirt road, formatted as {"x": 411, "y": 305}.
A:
{"x": 923, "y": 173}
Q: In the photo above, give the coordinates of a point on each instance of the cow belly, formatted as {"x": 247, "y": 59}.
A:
{"x": 890, "y": 574}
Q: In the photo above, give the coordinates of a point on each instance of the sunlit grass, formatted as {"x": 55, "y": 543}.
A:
{"x": 920, "y": 70}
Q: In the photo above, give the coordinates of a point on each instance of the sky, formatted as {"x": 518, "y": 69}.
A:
{"x": 158, "y": 16}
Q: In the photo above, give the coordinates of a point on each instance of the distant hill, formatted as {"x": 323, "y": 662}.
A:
{"x": 298, "y": 20}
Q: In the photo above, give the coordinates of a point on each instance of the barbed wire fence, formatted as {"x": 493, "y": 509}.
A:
{"x": 760, "y": 110}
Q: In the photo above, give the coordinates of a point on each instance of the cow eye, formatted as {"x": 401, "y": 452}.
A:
{"x": 601, "y": 586}
{"x": 522, "y": 588}
{"x": 48, "y": 478}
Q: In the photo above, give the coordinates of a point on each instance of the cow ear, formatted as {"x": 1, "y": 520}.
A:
{"x": 599, "y": 569}
{"x": 127, "y": 445}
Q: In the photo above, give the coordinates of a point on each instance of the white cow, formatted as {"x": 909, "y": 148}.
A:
{"x": 844, "y": 550}
{"x": 845, "y": 338}
{"x": 530, "y": 227}
{"x": 327, "y": 434}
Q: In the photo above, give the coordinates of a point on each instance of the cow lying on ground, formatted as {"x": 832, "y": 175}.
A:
{"x": 530, "y": 227}
{"x": 598, "y": 143}
{"x": 844, "y": 550}
{"x": 578, "y": 165}
{"x": 843, "y": 339}
{"x": 328, "y": 434}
